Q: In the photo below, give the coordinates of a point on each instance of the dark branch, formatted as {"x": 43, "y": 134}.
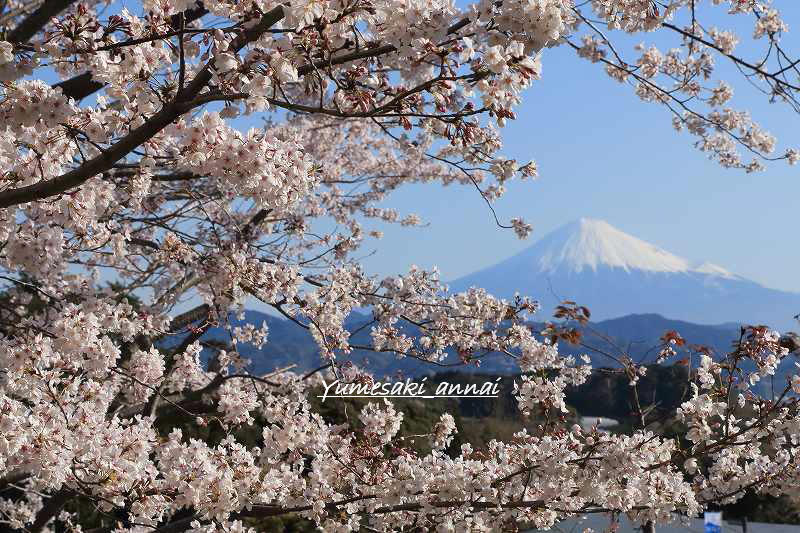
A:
{"x": 181, "y": 321}
{"x": 82, "y": 85}
{"x": 37, "y": 20}
{"x": 50, "y": 509}
{"x": 137, "y": 137}
{"x": 182, "y": 103}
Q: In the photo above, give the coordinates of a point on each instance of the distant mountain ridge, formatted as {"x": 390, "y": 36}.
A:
{"x": 616, "y": 274}
{"x": 637, "y": 335}
{"x": 629, "y": 285}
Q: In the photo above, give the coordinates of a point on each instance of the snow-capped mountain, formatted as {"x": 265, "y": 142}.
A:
{"x": 614, "y": 274}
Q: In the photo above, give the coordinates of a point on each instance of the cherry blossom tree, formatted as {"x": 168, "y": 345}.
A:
{"x": 130, "y": 192}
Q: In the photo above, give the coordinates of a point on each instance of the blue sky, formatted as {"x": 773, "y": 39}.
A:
{"x": 604, "y": 154}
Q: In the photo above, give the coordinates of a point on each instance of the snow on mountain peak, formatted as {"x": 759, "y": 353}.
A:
{"x": 590, "y": 243}
{"x": 714, "y": 270}
{"x": 615, "y": 274}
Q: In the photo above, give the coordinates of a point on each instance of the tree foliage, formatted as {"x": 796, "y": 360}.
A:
{"x": 133, "y": 169}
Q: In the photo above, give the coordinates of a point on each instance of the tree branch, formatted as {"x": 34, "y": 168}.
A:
{"x": 37, "y": 20}
{"x": 82, "y": 85}
{"x": 193, "y": 315}
{"x": 140, "y": 135}
{"x": 99, "y": 164}
{"x": 51, "y": 508}
{"x": 168, "y": 114}
{"x": 739, "y": 61}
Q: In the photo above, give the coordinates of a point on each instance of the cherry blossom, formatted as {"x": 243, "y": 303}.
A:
{"x": 194, "y": 158}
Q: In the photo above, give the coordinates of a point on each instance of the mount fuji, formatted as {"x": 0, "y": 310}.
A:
{"x": 615, "y": 274}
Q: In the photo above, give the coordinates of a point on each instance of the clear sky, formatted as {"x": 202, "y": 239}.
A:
{"x": 604, "y": 154}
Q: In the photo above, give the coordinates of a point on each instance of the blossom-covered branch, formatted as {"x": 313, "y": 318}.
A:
{"x": 136, "y": 214}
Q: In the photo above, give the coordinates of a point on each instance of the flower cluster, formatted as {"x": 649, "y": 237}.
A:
{"x": 136, "y": 215}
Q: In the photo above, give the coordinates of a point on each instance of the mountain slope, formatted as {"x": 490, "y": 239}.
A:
{"x": 616, "y": 274}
